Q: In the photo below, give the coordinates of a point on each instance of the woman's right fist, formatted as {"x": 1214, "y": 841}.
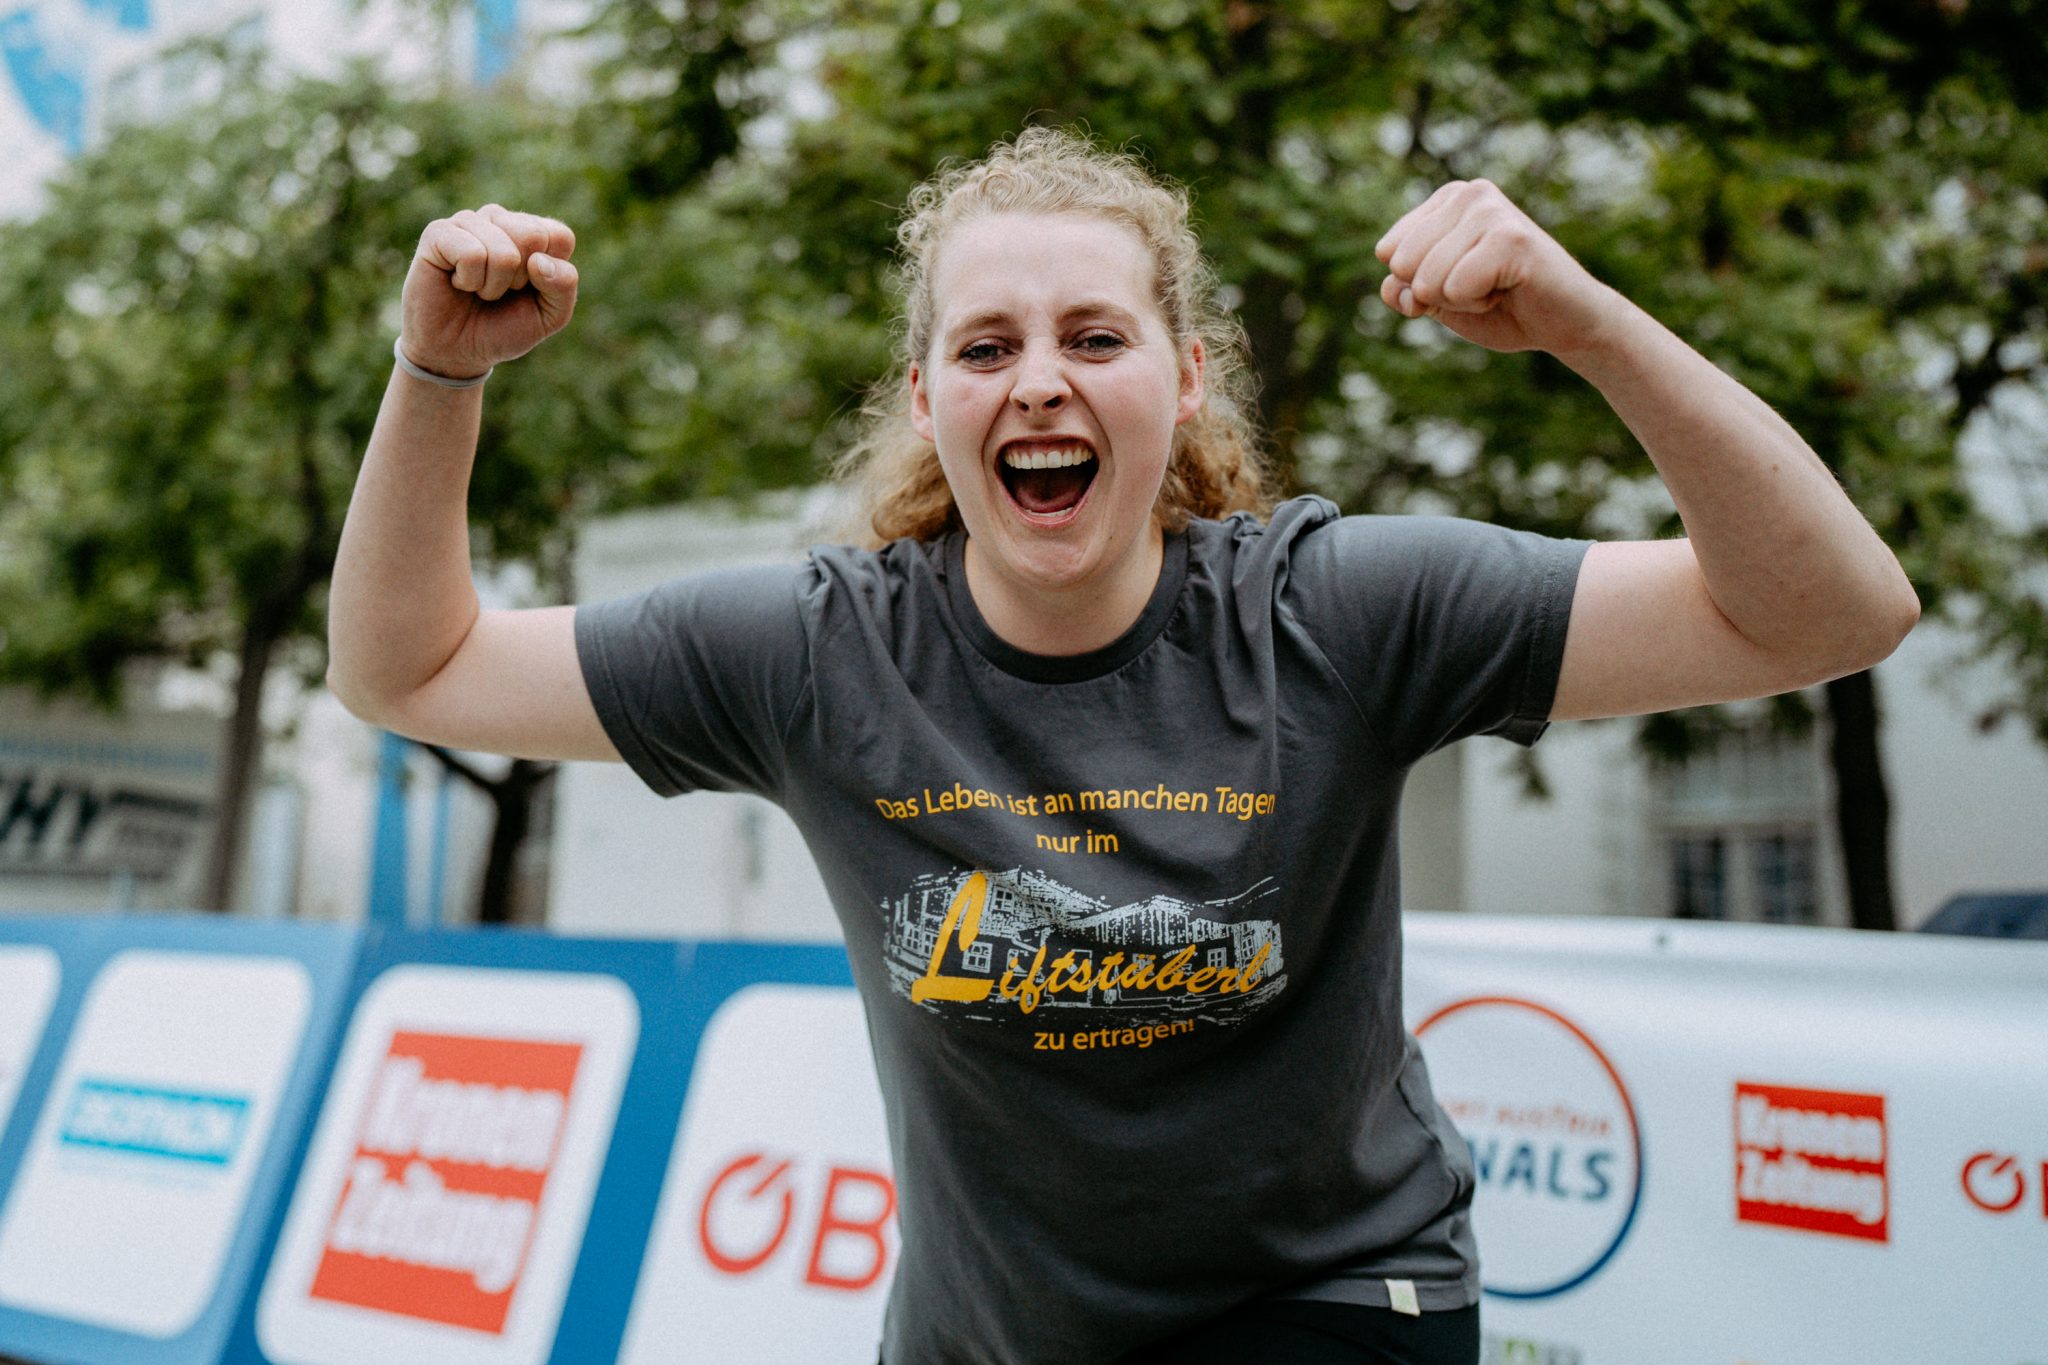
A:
{"x": 486, "y": 285}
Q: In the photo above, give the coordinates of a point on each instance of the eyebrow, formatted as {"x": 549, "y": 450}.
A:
{"x": 997, "y": 317}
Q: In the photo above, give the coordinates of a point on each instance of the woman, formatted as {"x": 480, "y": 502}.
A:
{"x": 1102, "y": 778}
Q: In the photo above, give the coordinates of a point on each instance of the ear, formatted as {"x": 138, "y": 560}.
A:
{"x": 1191, "y": 371}
{"x": 920, "y": 405}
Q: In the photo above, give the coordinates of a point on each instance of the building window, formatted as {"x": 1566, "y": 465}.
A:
{"x": 1737, "y": 830}
{"x": 977, "y": 956}
{"x": 1699, "y": 876}
{"x": 1219, "y": 958}
{"x": 1782, "y": 865}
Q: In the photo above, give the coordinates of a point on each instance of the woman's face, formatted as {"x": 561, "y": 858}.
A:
{"x": 1051, "y": 389}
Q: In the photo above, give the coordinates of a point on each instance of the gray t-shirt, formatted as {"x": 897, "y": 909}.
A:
{"x": 1125, "y": 924}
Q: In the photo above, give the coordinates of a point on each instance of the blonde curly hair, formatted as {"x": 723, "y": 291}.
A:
{"x": 1216, "y": 466}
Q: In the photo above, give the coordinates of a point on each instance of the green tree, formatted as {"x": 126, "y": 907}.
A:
{"x": 200, "y": 331}
{"x": 1841, "y": 205}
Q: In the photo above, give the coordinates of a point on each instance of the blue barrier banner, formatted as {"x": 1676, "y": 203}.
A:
{"x": 158, "y": 1104}
{"x": 30, "y": 974}
{"x": 491, "y": 1147}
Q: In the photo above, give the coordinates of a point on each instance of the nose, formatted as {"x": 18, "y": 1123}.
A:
{"x": 1041, "y": 383}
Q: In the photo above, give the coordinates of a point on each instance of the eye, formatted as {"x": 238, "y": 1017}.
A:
{"x": 1100, "y": 343}
{"x": 981, "y": 353}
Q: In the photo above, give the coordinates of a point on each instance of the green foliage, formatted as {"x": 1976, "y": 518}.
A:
{"x": 202, "y": 320}
{"x": 1842, "y": 205}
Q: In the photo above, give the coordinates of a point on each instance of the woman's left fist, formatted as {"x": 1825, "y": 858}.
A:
{"x": 1469, "y": 258}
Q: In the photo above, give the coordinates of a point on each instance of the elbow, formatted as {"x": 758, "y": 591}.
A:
{"x": 1909, "y": 614}
{"x": 337, "y": 683}
{"x": 1900, "y": 614}
{"x": 1881, "y": 630}
{"x": 357, "y": 702}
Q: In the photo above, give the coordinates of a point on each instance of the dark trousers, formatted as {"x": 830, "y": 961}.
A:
{"x": 1306, "y": 1332}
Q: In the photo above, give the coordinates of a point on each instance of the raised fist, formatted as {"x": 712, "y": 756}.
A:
{"x": 1471, "y": 259}
{"x": 486, "y": 285}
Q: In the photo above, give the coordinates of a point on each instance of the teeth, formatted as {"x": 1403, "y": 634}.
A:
{"x": 1057, "y": 457}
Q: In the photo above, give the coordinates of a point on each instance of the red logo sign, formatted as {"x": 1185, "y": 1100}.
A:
{"x": 750, "y": 1205}
{"x": 1812, "y": 1159}
{"x": 437, "y": 1214}
{"x": 1996, "y": 1182}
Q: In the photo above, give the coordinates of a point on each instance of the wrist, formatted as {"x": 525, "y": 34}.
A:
{"x": 1613, "y": 336}
{"x": 426, "y": 376}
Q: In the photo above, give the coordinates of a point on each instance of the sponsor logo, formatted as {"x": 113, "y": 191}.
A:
{"x": 1996, "y": 1182}
{"x": 142, "y": 1120}
{"x": 1499, "y": 1350}
{"x": 437, "y": 1213}
{"x": 1815, "y": 1160}
{"x": 750, "y": 1208}
{"x": 1557, "y": 1152}
{"x": 57, "y": 824}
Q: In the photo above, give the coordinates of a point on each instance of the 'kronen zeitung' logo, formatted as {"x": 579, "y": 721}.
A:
{"x": 1815, "y": 1160}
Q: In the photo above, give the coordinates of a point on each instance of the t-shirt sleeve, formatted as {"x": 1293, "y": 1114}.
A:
{"x": 1442, "y": 627}
{"x": 695, "y": 680}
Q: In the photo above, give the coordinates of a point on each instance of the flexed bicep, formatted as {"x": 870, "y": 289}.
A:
{"x": 1645, "y": 635}
{"x": 514, "y": 686}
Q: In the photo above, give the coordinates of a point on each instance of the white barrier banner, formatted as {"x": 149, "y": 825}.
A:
{"x": 776, "y": 1235}
{"x": 444, "y": 1196}
{"x": 1745, "y": 1145}
{"x": 138, "y": 1176}
{"x": 1695, "y": 1144}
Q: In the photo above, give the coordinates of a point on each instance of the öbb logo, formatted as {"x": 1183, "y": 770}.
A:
{"x": 437, "y": 1214}
{"x": 1815, "y": 1160}
{"x": 751, "y": 1207}
{"x": 1996, "y": 1182}
{"x": 1556, "y": 1150}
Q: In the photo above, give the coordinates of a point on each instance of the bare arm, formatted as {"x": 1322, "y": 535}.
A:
{"x": 1804, "y": 588}
{"x": 1780, "y": 584}
{"x": 408, "y": 647}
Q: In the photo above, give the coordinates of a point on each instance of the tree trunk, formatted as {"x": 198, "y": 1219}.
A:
{"x": 513, "y": 796}
{"x": 512, "y": 801}
{"x": 1863, "y": 808}
{"x": 269, "y": 620}
{"x": 239, "y": 764}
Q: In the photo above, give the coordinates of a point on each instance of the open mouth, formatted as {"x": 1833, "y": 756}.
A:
{"x": 1047, "y": 478}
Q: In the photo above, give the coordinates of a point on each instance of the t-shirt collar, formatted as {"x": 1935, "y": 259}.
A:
{"x": 1062, "y": 668}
